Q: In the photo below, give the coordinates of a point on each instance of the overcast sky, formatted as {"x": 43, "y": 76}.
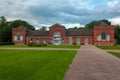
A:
{"x": 67, "y": 12}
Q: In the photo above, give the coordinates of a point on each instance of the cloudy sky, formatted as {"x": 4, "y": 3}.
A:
{"x": 67, "y": 12}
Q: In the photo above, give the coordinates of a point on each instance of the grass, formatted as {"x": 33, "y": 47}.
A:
{"x": 109, "y": 47}
{"x": 34, "y": 65}
{"x": 48, "y": 46}
{"x": 115, "y": 54}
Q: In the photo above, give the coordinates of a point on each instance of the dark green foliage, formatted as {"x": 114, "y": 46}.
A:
{"x": 74, "y": 44}
{"x": 6, "y": 43}
{"x": 34, "y": 44}
{"x": 6, "y": 28}
{"x": 76, "y": 28}
{"x": 5, "y": 34}
{"x": 3, "y": 22}
{"x": 17, "y": 23}
{"x": 91, "y": 25}
{"x": 95, "y": 23}
{"x": 117, "y": 33}
{"x": 43, "y": 28}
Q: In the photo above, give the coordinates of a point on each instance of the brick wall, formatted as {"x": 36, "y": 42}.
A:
{"x": 22, "y": 32}
{"x": 40, "y": 39}
{"x": 82, "y": 38}
{"x": 65, "y": 39}
{"x": 109, "y": 30}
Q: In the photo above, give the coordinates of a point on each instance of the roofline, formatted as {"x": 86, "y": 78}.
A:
{"x": 57, "y": 24}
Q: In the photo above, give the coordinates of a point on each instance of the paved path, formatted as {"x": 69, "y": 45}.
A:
{"x": 37, "y": 49}
{"x": 92, "y": 63}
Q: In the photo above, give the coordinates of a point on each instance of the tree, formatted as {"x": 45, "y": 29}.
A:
{"x": 17, "y": 23}
{"x": 43, "y": 28}
{"x": 5, "y": 34}
{"x": 93, "y": 23}
{"x": 3, "y": 22}
{"x": 76, "y": 28}
{"x": 6, "y": 28}
{"x": 117, "y": 33}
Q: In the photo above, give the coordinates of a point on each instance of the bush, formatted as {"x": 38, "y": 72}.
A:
{"x": 6, "y": 43}
{"x": 74, "y": 43}
{"x": 30, "y": 44}
{"x": 36, "y": 44}
{"x": 118, "y": 41}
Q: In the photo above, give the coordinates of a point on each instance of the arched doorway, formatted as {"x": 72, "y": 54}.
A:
{"x": 56, "y": 38}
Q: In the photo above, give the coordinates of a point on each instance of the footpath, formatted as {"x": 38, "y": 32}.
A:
{"x": 92, "y": 63}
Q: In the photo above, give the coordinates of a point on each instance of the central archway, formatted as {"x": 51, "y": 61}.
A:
{"x": 56, "y": 38}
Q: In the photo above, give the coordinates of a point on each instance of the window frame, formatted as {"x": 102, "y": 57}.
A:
{"x": 103, "y": 35}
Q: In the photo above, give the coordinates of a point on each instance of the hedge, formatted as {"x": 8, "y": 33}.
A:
{"x": 36, "y": 44}
{"x": 6, "y": 43}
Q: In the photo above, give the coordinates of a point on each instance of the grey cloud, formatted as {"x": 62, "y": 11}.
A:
{"x": 58, "y": 11}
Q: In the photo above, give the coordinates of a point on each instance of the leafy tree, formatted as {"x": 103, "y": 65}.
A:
{"x": 5, "y": 34}
{"x": 76, "y": 28}
{"x": 6, "y": 28}
{"x": 117, "y": 33}
{"x": 2, "y": 22}
{"x": 93, "y": 23}
{"x": 43, "y": 28}
{"x": 17, "y": 23}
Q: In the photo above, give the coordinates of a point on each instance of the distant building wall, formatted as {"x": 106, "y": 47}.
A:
{"x": 109, "y": 30}
{"x": 21, "y": 35}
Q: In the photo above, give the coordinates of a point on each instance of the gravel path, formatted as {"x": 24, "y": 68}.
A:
{"x": 92, "y": 63}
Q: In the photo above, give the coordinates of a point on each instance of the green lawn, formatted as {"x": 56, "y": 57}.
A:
{"x": 48, "y": 46}
{"x": 109, "y": 47}
{"x": 115, "y": 54}
{"x": 34, "y": 64}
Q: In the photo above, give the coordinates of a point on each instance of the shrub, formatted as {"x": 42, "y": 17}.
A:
{"x": 30, "y": 44}
{"x": 6, "y": 43}
{"x": 118, "y": 41}
{"x": 74, "y": 43}
{"x": 36, "y": 44}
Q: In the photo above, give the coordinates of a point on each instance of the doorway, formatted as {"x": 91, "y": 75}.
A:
{"x": 78, "y": 40}
{"x": 86, "y": 40}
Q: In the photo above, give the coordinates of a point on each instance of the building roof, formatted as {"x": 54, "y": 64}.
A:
{"x": 79, "y": 32}
{"x": 68, "y": 33}
{"x": 58, "y": 25}
{"x": 38, "y": 33}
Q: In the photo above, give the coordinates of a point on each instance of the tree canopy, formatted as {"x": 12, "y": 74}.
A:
{"x": 2, "y": 22}
{"x": 17, "y": 23}
{"x": 117, "y": 33}
{"x": 91, "y": 25}
{"x": 6, "y": 28}
{"x": 43, "y": 28}
{"x": 95, "y": 23}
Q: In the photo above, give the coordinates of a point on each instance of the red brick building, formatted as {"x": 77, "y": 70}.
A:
{"x": 58, "y": 34}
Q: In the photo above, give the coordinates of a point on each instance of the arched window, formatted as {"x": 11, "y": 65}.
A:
{"x": 56, "y": 38}
{"x": 103, "y": 35}
{"x": 18, "y": 36}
